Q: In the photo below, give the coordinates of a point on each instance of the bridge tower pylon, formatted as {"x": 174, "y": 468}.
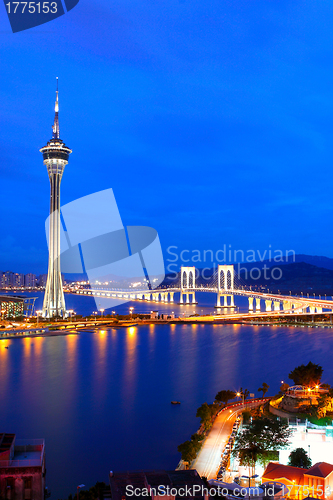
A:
{"x": 225, "y": 283}
{"x": 187, "y": 285}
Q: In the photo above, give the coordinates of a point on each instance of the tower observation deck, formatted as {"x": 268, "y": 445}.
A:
{"x": 55, "y": 157}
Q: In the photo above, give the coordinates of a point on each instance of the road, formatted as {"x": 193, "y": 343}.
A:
{"x": 208, "y": 460}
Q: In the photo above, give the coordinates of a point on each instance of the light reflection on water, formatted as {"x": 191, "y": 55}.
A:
{"x": 102, "y": 399}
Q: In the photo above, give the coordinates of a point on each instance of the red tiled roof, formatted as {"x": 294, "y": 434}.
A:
{"x": 279, "y": 471}
{"x": 321, "y": 469}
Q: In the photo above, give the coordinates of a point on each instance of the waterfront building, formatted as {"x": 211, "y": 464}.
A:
{"x": 22, "y": 468}
{"x": 55, "y": 157}
{"x": 30, "y": 280}
{"x": 11, "y": 307}
{"x": 175, "y": 484}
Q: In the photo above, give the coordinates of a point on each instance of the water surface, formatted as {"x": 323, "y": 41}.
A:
{"x": 102, "y": 399}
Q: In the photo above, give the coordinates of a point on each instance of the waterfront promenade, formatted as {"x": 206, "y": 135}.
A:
{"x": 209, "y": 457}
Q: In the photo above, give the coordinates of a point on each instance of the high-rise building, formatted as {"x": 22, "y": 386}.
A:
{"x": 8, "y": 279}
{"x": 30, "y": 280}
{"x": 55, "y": 156}
{"x": 42, "y": 280}
{"x": 18, "y": 280}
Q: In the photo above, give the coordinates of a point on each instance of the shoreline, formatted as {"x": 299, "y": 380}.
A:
{"x": 118, "y": 326}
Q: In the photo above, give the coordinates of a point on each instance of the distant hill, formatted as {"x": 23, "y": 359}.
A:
{"x": 303, "y": 275}
{"x": 297, "y": 277}
{"x": 318, "y": 261}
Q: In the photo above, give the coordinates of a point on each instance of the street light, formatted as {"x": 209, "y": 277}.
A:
{"x": 38, "y": 314}
{"x": 239, "y": 394}
{"x": 78, "y": 488}
{"x": 131, "y": 310}
{"x": 102, "y": 310}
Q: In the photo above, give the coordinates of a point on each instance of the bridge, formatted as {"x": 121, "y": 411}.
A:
{"x": 225, "y": 284}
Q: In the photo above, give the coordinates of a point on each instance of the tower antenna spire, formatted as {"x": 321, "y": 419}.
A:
{"x": 55, "y": 127}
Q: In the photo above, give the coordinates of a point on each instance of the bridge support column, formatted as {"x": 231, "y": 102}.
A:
{"x": 225, "y": 303}
{"x": 171, "y": 296}
{"x": 312, "y": 310}
{"x": 187, "y": 298}
{"x": 268, "y": 305}
{"x": 257, "y": 304}
{"x": 232, "y": 303}
{"x": 181, "y": 298}
{"x": 286, "y": 305}
{"x": 218, "y": 300}
{"x": 319, "y": 309}
{"x": 276, "y": 306}
{"x": 250, "y": 303}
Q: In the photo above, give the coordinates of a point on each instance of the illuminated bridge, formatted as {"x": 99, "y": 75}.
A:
{"x": 225, "y": 284}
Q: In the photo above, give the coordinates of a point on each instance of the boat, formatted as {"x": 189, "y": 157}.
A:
{"x": 175, "y": 402}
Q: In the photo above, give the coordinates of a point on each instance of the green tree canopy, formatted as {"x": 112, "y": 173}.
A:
{"x": 300, "y": 458}
{"x": 225, "y": 396}
{"x": 308, "y": 375}
{"x": 260, "y": 440}
{"x": 189, "y": 449}
{"x": 205, "y": 412}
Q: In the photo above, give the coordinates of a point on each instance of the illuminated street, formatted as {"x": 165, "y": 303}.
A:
{"x": 209, "y": 457}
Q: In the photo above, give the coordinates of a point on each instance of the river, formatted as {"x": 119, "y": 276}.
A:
{"x": 102, "y": 399}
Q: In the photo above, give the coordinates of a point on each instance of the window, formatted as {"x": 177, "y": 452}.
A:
{"x": 27, "y": 488}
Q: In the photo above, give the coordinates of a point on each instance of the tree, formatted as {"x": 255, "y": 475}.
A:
{"x": 225, "y": 396}
{"x": 308, "y": 375}
{"x": 300, "y": 458}
{"x": 94, "y": 493}
{"x": 263, "y": 389}
{"x": 205, "y": 412}
{"x": 189, "y": 449}
{"x": 261, "y": 440}
{"x": 245, "y": 392}
{"x": 325, "y": 403}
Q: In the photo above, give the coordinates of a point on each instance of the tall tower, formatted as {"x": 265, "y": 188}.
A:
{"x": 55, "y": 156}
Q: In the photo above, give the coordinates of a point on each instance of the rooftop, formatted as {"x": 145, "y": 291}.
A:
{"x": 21, "y": 452}
{"x": 278, "y": 471}
{"x": 145, "y": 479}
{"x": 321, "y": 469}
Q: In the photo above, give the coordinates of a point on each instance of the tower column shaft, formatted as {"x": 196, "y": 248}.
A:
{"x": 54, "y": 300}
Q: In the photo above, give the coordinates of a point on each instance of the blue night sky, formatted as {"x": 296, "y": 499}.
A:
{"x": 211, "y": 120}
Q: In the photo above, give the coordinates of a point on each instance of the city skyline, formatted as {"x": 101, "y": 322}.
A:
{"x": 232, "y": 132}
